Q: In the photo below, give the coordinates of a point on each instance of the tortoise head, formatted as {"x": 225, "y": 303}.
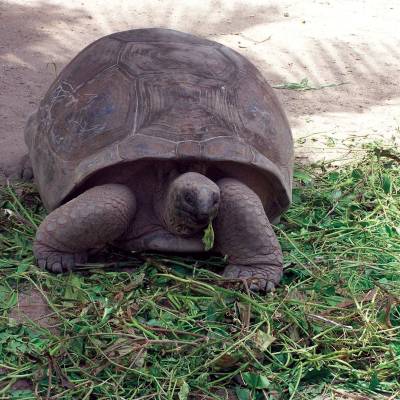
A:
{"x": 191, "y": 202}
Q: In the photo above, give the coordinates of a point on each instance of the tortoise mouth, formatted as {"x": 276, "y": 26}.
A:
{"x": 188, "y": 224}
{"x": 195, "y": 221}
{"x": 186, "y": 230}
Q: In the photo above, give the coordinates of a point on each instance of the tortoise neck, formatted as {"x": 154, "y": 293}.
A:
{"x": 165, "y": 178}
{"x": 192, "y": 166}
{"x": 197, "y": 166}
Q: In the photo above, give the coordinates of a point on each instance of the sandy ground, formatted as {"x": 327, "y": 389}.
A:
{"x": 356, "y": 42}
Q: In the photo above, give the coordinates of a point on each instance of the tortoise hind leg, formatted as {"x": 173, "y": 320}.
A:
{"x": 23, "y": 171}
{"x": 243, "y": 232}
{"x": 98, "y": 216}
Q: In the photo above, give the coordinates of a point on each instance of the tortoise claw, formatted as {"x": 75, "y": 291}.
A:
{"x": 56, "y": 261}
{"x": 259, "y": 279}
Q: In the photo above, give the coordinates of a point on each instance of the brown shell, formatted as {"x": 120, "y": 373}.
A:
{"x": 157, "y": 94}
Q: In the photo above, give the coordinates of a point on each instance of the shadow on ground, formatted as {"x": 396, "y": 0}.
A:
{"x": 38, "y": 39}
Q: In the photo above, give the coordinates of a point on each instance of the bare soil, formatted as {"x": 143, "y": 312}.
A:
{"x": 356, "y": 42}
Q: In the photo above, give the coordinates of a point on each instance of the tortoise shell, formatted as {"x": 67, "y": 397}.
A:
{"x": 157, "y": 94}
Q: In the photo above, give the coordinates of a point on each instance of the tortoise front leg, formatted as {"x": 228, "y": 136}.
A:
{"x": 96, "y": 217}
{"x": 243, "y": 232}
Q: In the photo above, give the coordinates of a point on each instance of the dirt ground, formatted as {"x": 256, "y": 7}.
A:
{"x": 356, "y": 42}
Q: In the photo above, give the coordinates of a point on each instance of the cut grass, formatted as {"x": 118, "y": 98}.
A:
{"x": 169, "y": 328}
{"x": 304, "y": 85}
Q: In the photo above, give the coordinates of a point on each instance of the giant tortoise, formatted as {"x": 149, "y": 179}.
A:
{"x": 148, "y": 135}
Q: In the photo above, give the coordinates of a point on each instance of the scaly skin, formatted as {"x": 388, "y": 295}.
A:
{"x": 243, "y": 232}
{"x": 96, "y": 217}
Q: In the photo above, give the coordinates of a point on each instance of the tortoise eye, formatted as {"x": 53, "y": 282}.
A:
{"x": 189, "y": 198}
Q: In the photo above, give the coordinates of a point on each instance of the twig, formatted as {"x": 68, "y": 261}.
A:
{"x": 329, "y": 321}
{"x": 387, "y": 153}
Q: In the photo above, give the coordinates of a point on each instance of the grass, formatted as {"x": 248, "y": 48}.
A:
{"x": 304, "y": 85}
{"x": 171, "y": 329}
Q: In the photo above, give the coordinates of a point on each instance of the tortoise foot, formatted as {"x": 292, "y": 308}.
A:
{"x": 24, "y": 170}
{"x": 258, "y": 278}
{"x": 56, "y": 261}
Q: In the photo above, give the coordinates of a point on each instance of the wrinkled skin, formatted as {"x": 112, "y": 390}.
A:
{"x": 191, "y": 202}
